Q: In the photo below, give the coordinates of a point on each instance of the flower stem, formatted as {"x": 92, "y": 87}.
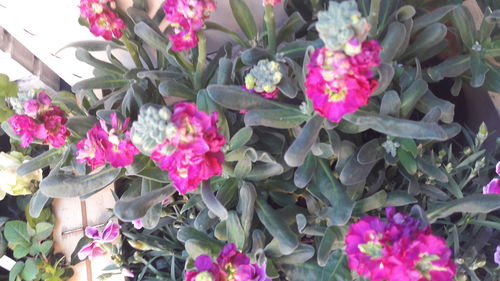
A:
{"x": 271, "y": 28}
{"x": 132, "y": 50}
{"x": 202, "y": 58}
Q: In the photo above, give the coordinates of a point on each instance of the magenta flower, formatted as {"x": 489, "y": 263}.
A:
{"x": 94, "y": 249}
{"x": 497, "y": 255}
{"x": 194, "y": 153}
{"x": 238, "y": 267}
{"x": 397, "y": 250}
{"x": 137, "y": 224}
{"x": 339, "y": 84}
{"x": 41, "y": 121}
{"x": 102, "y": 20}
{"x": 206, "y": 269}
{"x": 498, "y": 168}
{"x": 493, "y": 187}
{"x": 187, "y": 17}
{"x": 107, "y": 145}
{"x": 272, "y": 2}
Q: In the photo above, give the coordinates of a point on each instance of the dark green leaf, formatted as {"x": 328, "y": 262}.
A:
{"x": 212, "y": 202}
{"x": 275, "y": 118}
{"x": 171, "y": 88}
{"x": 244, "y": 18}
{"x": 103, "y": 82}
{"x": 297, "y": 152}
{"x": 130, "y": 209}
{"x": 294, "y": 24}
{"x": 41, "y": 161}
{"x": 476, "y": 203}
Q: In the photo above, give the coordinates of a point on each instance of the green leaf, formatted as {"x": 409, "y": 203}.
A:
{"x": 399, "y": 198}
{"x": 370, "y": 152}
{"x": 241, "y": 138}
{"x": 172, "y": 88}
{"x": 275, "y": 118}
{"x": 297, "y": 49}
{"x": 159, "y": 75}
{"x": 16, "y": 232}
{"x": 80, "y": 125}
{"x": 304, "y": 172}
{"x": 393, "y": 41}
{"x": 233, "y": 97}
{"x": 155, "y": 174}
{"x": 397, "y": 127}
{"x": 476, "y": 203}
{"x": 254, "y": 55}
{"x": 373, "y": 202}
{"x": 429, "y": 37}
{"x": 103, "y": 82}
{"x": 244, "y": 18}
{"x": 336, "y": 269}
{"x": 294, "y": 24}
{"x": 152, "y": 37}
{"x": 225, "y": 71}
{"x": 451, "y": 67}
{"x": 84, "y": 56}
{"x": 429, "y": 102}
{"x": 7, "y": 88}
{"x": 152, "y": 217}
{"x": 288, "y": 240}
{"x": 246, "y": 206}
{"x": 385, "y": 75}
{"x": 235, "y": 232}
{"x": 297, "y": 152}
{"x": 409, "y": 145}
{"x": 407, "y": 161}
{"x": 16, "y": 271}
{"x": 43, "y": 230}
{"x": 21, "y": 250}
{"x": 411, "y": 96}
{"x": 211, "y": 201}
{"x": 332, "y": 240}
{"x": 432, "y": 171}
{"x": 37, "y": 203}
{"x": 41, "y": 161}
{"x": 30, "y": 270}
{"x": 354, "y": 172}
{"x": 45, "y": 247}
{"x": 130, "y": 209}
{"x": 478, "y": 70}
{"x": 302, "y": 254}
{"x": 431, "y": 17}
{"x": 67, "y": 186}
{"x": 92, "y": 45}
{"x": 464, "y": 22}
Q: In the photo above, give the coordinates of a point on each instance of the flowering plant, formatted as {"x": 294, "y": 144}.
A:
{"x": 279, "y": 150}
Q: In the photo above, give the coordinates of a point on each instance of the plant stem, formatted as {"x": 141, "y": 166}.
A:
{"x": 132, "y": 50}
{"x": 202, "y": 58}
{"x": 271, "y": 28}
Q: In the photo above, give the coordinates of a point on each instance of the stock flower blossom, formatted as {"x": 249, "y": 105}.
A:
{"x": 107, "y": 235}
{"x": 187, "y": 17}
{"x": 493, "y": 187}
{"x": 497, "y": 168}
{"x": 397, "y": 250}
{"x": 263, "y": 79}
{"x": 193, "y": 153}
{"x": 38, "y": 119}
{"x": 272, "y": 2}
{"x": 107, "y": 145}
{"x": 137, "y": 224}
{"x": 339, "y": 84}
{"x": 206, "y": 270}
{"x": 497, "y": 255}
{"x": 102, "y": 20}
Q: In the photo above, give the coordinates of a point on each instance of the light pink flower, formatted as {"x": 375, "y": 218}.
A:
{"x": 186, "y": 17}
{"x": 194, "y": 153}
{"x": 272, "y": 2}
{"x": 102, "y": 20}
{"x": 137, "y": 224}
{"x": 497, "y": 255}
{"x": 493, "y": 187}
{"x": 339, "y": 84}
{"x": 107, "y": 235}
{"x": 498, "y": 168}
{"x": 107, "y": 145}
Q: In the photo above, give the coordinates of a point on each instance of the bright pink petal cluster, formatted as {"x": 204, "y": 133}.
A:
{"x": 93, "y": 249}
{"x": 231, "y": 265}
{"x": 187, "y": 18}
{"x": 194, "y": 153}
{"x": 497, "y": 255}
{"x": 42, "y": 120}
{"x": 493, "y": 187}
{"x": 397, "y": 250}
{"x": 339, "y": 84}
{"x": 272, "y": 2}
{"x": 107, "y": 145}
{"x": 101, "y": 18}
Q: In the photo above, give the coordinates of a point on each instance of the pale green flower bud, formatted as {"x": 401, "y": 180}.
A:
{"x": 151, "y": 128}
{"x": 11, "y": 182}
{"x": 264, "y": 77}
{"x": 341, "y": 23}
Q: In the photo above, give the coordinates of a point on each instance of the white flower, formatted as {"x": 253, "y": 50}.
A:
{"x": 12, "y": 183}
{"x": 391, "y": 147}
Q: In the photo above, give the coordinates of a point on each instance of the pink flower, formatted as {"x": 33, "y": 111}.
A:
{"x": 493, "y": 187}
{"x": 54, "y": 121}
{"x": 194, "y": 153}
{"x": 127, "y": 273}
{"x": 272, "y": 2}
{"x": 339, "y": 84}
{"x": 206, "y": 269}
{"x": 93, "y": 249}
{"x": 397, "y": 250}
{"x": 27, "y": 128}
{"x": 137, "y": 224}
{"x": 497, "y": 255}
{"x": 187, "y": 17}
{"x": 498, "y": 168}
{"x": 102, "y": 20}
{"x": 107, "y": 145}
{"x": 238, "y": 267}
